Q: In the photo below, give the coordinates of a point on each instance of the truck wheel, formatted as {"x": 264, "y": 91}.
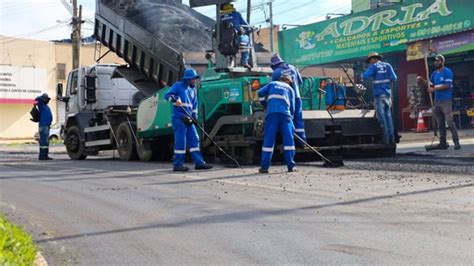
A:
{"x": 74, "y": 146}
{"x": 126, "y": 143}
{"x": 144, "y": 150}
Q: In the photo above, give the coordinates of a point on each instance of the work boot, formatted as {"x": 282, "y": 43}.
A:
{"x": 291, "y": 170}
{"x": 203, "y": 167}
{"x": 45, "y": 158}
{"x": 180, "y": 169}
{"x": 263, "y": 171}
{"x": 440, "y": 146}
{"x": 457, "y": 146}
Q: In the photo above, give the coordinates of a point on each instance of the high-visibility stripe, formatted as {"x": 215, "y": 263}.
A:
{"x": 179, "y": 151}
{"x": 261, "y": 99}
{"x": 381, "y": 81}
{"x": 44, "y": 147}
{"x": 195, "y": 111}
{"x": 299, "y": 130}
{"x": 193, "y": 149}
{"x": 280, "y": 97}
{"x": 265, "y": 149}
{"x": 289, "y": 148}
{"x": 281, "y": 88}
{"x": 186, "y": 105}
{"x": 449, "y": 80}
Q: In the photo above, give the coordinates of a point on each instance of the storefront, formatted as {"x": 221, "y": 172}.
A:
{"x": 446, "y": 25}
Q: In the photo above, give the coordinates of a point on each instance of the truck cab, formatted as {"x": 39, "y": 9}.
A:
{"x": 90, "y": 96}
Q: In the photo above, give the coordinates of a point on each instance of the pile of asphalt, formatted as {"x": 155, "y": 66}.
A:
{"x": 177, "y": 25}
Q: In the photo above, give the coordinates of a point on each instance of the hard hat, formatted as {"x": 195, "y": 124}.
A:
{"x": 45, "y": 96}
{"x": 372, "y": 55}
{"x": 190, "y": 74}
{"x": 440, "y": 57}
{"x": 286, "y": 77}
{"x": 276, "y": 60}
{"x": 227, "y": 7}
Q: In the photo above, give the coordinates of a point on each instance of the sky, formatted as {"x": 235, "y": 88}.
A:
{"x": 48, "y": 19}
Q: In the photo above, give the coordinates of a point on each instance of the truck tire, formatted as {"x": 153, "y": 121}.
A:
{"x": 74, "y": 146}
{"x": 126, "y": 143}
{"x": 144, "y": 150}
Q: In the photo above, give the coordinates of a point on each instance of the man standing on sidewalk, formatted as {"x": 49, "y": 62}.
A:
{"x": 45, "y": 119}
{"x": 442, "y": 87}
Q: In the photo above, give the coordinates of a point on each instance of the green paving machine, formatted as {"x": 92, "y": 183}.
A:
{"x": 228, "y": 104}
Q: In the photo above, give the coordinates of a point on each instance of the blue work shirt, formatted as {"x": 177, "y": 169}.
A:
{"x": 278, "y": 97}
{"x": 235, "y": 18}
{"x": 244, "y": 41}
{"x": 188, "y": 96}
{"x": 443, "y": 77}
{"x": 285, "y": 69}
{"x": 46, "y": 116}
{"x": 383, "y": 75}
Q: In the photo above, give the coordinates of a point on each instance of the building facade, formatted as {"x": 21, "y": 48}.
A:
{"x": 29, "y": 68}
{"x": 408, "y": 34}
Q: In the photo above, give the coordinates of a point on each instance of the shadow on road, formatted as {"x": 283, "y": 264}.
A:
{"x": 248, "y": 215}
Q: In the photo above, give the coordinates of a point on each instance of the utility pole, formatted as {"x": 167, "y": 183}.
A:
{"x": 249, "y": 7}
{"x": 271, "y": 25}
{"x": 76, "y": 34}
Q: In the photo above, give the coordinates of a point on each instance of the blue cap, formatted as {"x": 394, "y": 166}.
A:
{"x": 45, "y": 96}
{"x": 190, "y": 74}
{"x": 276, "y": 60}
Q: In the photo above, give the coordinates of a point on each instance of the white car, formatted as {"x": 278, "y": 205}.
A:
{"x": 55, "y": 132}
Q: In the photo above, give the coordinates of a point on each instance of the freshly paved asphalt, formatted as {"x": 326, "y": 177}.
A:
{"x": 414, "y": 208}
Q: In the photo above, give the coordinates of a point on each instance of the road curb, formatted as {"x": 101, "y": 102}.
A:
{"x": 40, "y": 260}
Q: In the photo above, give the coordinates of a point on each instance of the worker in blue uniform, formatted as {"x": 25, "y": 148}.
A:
{"x": 281, "y": 68}
{"x": 278, "y": 98}
{"x": 230, "y": 15}
{"x": 442, "y": 87}
{"x": 383, "y": 75}
{"x": 45, "y": 120}
{"x": 183, "y": 95}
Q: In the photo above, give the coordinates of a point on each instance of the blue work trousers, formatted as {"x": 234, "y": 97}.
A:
{"x": 273, "y": 123}
{"x": 43, "y": 132}
{"x": 244, "y": 58}
{"x": 384, "y": 116}
{"x": 185, "y": 136}
{"x": 298, "y": 121}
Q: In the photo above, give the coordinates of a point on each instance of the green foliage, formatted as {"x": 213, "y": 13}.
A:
{"x": 16, "y": 246}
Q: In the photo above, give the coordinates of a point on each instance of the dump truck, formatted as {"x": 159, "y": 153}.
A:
{"x": 123, "y": 107}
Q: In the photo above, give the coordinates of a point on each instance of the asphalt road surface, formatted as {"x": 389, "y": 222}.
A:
{"x": 403, "y": 210}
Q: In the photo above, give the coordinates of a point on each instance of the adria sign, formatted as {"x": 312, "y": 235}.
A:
{"x": 382, "y": 30}
{"x": 21, "y": 85}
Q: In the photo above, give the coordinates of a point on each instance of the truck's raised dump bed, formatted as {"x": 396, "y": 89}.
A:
{"x": 151, "y": 37}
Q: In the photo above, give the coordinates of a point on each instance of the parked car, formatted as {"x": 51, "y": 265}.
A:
{"x": 55, "y": 133}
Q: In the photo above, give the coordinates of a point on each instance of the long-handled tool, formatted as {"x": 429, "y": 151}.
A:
{"x": 210, "y": 138}
{"x": 360, "y": 90}
{"x": 327, "y": 163}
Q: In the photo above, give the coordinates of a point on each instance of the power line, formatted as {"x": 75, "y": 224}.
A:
{"x": 22, "y": 37}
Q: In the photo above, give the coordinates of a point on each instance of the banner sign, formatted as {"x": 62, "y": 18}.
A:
{"x": 455, "y": 43}
{"x": 383, "y": 30}
{"x": 21, "y": 84}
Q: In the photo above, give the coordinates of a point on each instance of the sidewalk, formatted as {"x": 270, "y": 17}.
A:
{"x": 27, "y": 148}
{"x": 428, "y": 136}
